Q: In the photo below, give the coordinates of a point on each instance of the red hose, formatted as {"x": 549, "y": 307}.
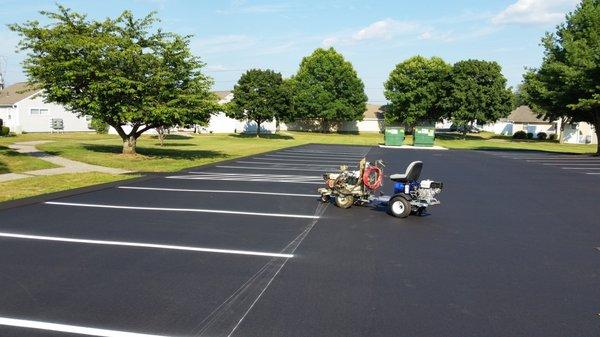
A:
{"x": 372, "y": 177}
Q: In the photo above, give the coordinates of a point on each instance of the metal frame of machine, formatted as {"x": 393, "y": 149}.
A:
{"x": 349, "y": 187}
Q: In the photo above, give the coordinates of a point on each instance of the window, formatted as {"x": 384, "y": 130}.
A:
{"x": 38, "y": 112}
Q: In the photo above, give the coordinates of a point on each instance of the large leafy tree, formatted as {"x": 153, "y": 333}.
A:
{"x": 415, "y": 90}
{"x": 328, "y": 89}
{"x": 121, "y": 71}
{"x": 260, "y": 96}
{"x": 477, "y": 91}
{"x": 567, "y": 84}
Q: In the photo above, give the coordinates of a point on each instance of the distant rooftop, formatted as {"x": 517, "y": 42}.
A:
{"x": 16, "y": 92}
{"x": 524, "y": 114}
{"x": 222, "y": 94}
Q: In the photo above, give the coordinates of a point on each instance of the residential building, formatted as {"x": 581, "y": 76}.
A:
{"x": 22, "y": 109}
{"x": 524, "y": 119}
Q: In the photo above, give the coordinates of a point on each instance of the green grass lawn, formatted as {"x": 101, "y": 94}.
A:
{"x": 14, "y": 162}
{"x": 182, "y": 152}
{"x": 490, "y": 141}
{"x": 28, "y": 187}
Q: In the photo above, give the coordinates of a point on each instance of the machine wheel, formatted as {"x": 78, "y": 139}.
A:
{"x": 344, "y": 201}
{"x": 399, "y": 207}
{"x": 325, "y": 198}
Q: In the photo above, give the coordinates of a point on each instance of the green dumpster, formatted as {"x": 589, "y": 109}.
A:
{"x": 423, "y": 136}
{"x": 394, "y": 136}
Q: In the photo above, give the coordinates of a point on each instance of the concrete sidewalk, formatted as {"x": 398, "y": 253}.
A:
{"x": 67, "y": 165}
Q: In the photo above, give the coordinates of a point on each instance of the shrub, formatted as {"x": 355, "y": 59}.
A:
{"x": 4, "y": 131}
{"x": 529, "y": 135}
{"x": 100, "y": 126}
{"x": 552, "y": 136}
{"x": 520, "y": 135}
{"x": 542, "y": 135}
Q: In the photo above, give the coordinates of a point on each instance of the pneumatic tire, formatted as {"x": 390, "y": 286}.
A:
{"x": 399, "y": 207}
{"x": 344, "y": 201}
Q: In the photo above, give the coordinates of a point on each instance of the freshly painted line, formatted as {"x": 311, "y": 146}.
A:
{"x": 571, "y": 164}
{"x": 326, "y": 152}
{"x": 288, "y": 164}
{"x": 81, "y": 330}
{"x": 255, "y": 175}
{"x": 558, "y": 158}
{"x": 264, "y": 180}
{"x": 308, "y": 160}
{"x": 271, "y": 168}
{"x": 141, "y": 245}
{"x": 217, "y": 191}
{"x": 198, "y": 210}
{"x": 312, "y": 157}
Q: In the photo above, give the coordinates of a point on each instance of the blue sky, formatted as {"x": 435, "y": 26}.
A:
{"x": 233, "y": 36}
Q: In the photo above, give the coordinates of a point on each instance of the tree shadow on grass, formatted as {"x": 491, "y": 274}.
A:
{"x": 3, "y": 168}
{"x": 5, "y": 151}
{"x": 262, "y": 135}
{"x": 179, "y": 137}
{"x": 158, "y": 152}
{"x": 171, "y": 144}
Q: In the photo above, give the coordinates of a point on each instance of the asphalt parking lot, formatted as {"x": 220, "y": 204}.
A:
{"x": 243, "y": 248}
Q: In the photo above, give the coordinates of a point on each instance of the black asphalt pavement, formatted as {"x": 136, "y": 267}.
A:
{"x": 511, "y": 251}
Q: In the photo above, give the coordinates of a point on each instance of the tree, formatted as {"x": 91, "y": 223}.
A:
{"x": 260, "y": 96}
{"x": 415, "y": 89}
{"x": 327, "y": 88}
{"x": 477, "y": 91}
{"x": 567, "y": 84}
{"x": 120, "y": 71}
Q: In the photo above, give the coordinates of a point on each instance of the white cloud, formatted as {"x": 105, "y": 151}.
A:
{"x": 223, "y": 43}
{"x": 385, "y": 29}
{"x": 535, "y": 12}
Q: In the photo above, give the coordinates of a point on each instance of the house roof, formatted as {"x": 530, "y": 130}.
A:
{"x": 222, "y": 94}
{"x": 373, "y": 111}
{"x": 524, "y": 114}
{"x": 16, "y": 92}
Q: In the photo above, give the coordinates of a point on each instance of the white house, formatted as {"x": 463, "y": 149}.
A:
{"x": 23, "y": 109}
{"x": 220, "y": 123}
{"x": 524, "y": 119}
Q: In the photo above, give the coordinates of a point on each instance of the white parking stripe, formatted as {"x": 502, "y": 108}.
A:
{"x": 198, "y": 210}
{"x": 141, "y": 245}
{"x": 571, "y": 164}
{"x": 264, "y": 180}
{"x": 593, "y": 173}
{"x": 252, "y": 174}
{"x": 561, "y": 159}
{"x": 216, "y": 191}
{"x": 303, "y": 160}
{"x": 288, "y": 164}
{"x": 313, "y": 157}
{"x": 316, "y": 154}
{"x": 361, "y": 152}
{"x": 580, "y": 168}
{"x": 81, "y": 330}
{"x": 271, "y": 168}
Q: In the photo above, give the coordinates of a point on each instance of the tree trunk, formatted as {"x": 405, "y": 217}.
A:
{"x": 325, "y": 126}
{"x": 129, "y": 145}
{"x": 161, "y": 135}
{"x": 258, "y": 128}
{"x": 597, "y": 130}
